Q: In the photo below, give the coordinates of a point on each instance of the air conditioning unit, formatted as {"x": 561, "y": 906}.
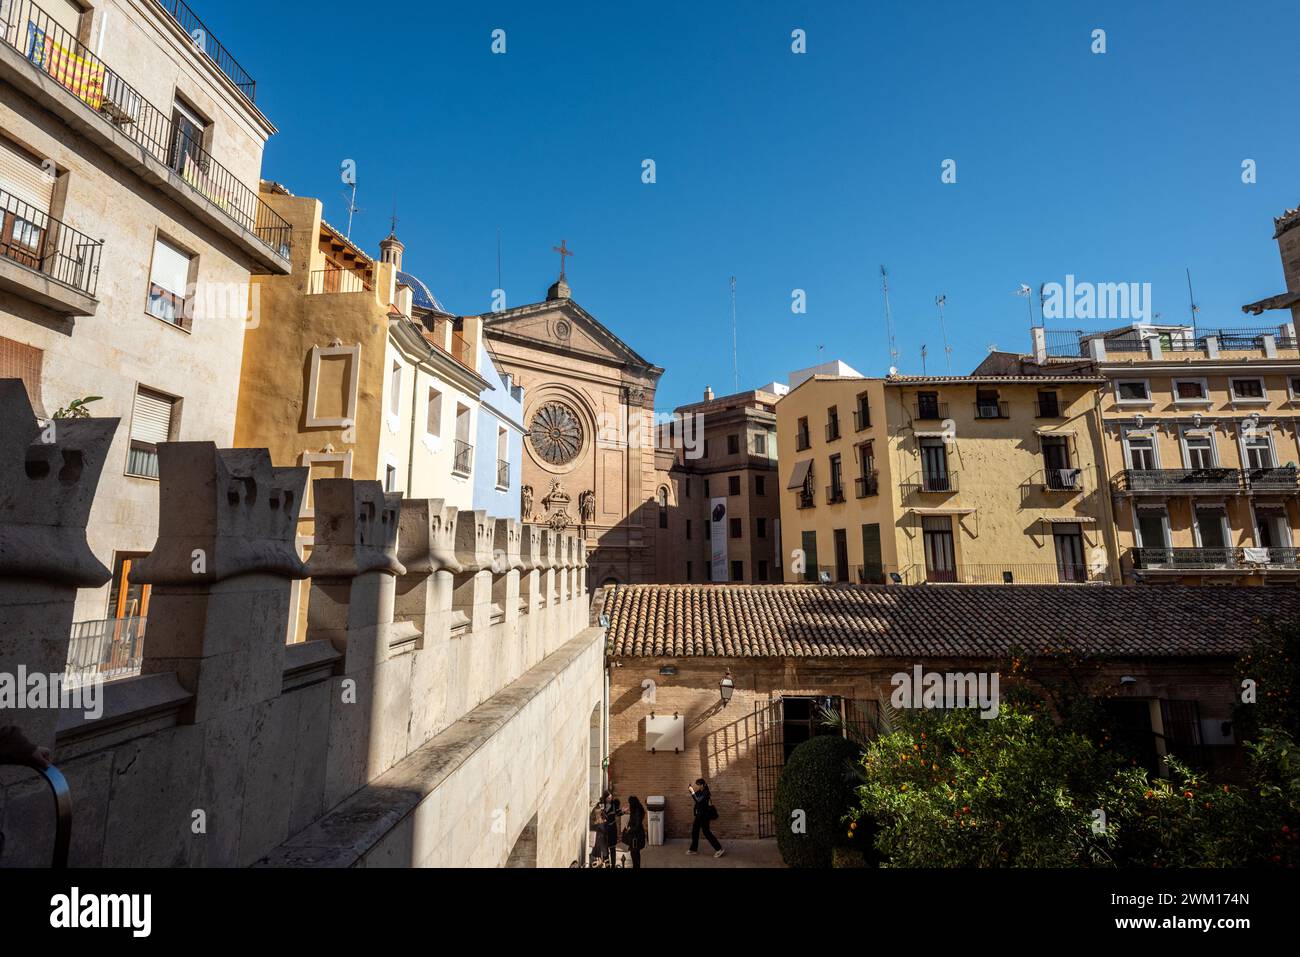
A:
{"x": 121, "y": 103}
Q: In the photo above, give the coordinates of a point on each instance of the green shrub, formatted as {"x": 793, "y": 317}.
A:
{"x": 818, "y": 781}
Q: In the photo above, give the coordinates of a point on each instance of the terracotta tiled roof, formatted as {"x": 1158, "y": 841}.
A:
{"x": 976, "y": 621}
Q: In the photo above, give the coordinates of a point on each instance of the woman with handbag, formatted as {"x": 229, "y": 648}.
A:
{"x": 704, "y": 814}
{"x": 634, "y": 835}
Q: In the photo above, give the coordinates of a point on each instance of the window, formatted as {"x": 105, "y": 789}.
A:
{"x": 1133, "y": 390}
{"x": 26, "y": 207}
{"x": 934, "y": 466}
{"x": 737, "y": 571}
{"x": 395, "y": 389}
{"x": 688, "y": 529}
{"x": 1191, "y": 390}
{"x": 809, "y": 544}
{"x": 762, "y": 570}
{"x": 152, "y": 421}
{"x": 987, "y": 405}
{"x": 1141, "y": 452}
{"x": 1250, "y": 390}
{"x": 832, "y": 423}
{"x": 1293, "y": 386}
{"x": 1211, "y": 527}
{"x": 760, "y": 529}
{"x": 1068, "y": 539}
{"x": 841, "y": 554}
{"x": 1151, "y": 528}
{"x": 189, "y": 132}
{"x": 127, "y": 599}
{"x": 503, "y": 458}
{"x": 733, "y": 484}
{"x": 737, "y": 528}
{"x": 837, "y": 480}
{"x": 169, "y": 284}
{"x": 1056, "y": 463}
{"x": 862, "y": 414}
{"x": 390, "y": 478}
{"x": 760, "y": 484}
{"x": 733, "y": 444}
{"x": 1258, "y": 452}
{"x": 663, "y": 507}
{"x": 1271, "y": 527}
{"x": 708, "y": 530}
{"x": 927, "y": 406}
{"x": 1049, "y": 405}
{"x": 63, "y": 12}
{"x": 1200, "y": 451}
{"x": 463, "y": 453}
{"x": 801, "y": 439}
{"x": 689, "y": 570}
{"x": 940, "y": 560}
{"x": 20, "y": 361}
{"x": 433, "y": 413}
{"x": 760, "y": 443}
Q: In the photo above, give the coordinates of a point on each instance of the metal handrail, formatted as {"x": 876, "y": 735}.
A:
{"x": 463, "y": 459}
{"x": 202, "y": 36}
{"x": 1214, "y": 479}
{"x": 49, "y": 246}
{"x": 335, "y": 279}
{"x": 61, "y": 56}
{"x": 62, "y": 795}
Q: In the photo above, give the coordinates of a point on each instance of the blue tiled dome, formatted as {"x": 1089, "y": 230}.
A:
{"x": 421, "y": 294}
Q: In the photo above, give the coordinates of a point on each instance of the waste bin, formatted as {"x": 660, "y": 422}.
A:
{"x": 654, "y": 806}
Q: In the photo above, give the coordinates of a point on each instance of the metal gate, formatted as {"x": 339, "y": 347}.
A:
{"x": 769, "y": 733}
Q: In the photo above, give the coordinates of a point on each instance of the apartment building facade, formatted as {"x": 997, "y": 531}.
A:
{"x": 1201, "y": 439}
{"x": 130, "y": 154}
{"x": 720, "y": 516}
{"x": 945, "y": 479}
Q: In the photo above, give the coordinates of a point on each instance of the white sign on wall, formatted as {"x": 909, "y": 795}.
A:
{"x": 718, "y": 539}
{"x": 665, "y": 732}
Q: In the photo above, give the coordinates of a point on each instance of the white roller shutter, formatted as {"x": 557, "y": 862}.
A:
{"x": 22, "y": 177}
{"x": 171, "y": 268}
{"x": 152, "y": 419}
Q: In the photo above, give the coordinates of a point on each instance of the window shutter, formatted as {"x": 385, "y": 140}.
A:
{"x": 66, "y": 14}
{"x": 171, "y": 268}
{"x": 152, "y": 420}
{"x": 22, "y": 177}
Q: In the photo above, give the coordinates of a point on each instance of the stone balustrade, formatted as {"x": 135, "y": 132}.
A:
{"x": 429, "y": 629}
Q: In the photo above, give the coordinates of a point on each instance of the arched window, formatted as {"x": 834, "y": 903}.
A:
{"x": 663, "y": 506}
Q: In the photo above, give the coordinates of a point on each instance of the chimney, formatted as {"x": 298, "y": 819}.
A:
{"x": 390, "y": 251}
{"x": 708, "y": 393}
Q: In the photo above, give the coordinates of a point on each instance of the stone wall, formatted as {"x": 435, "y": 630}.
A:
{"x": 437, "y": 714}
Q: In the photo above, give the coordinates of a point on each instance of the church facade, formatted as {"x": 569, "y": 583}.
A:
{"x": 589, "y": 452}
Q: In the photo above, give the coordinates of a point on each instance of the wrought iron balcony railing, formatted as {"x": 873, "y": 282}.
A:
{"x": 203, "y": 37}
{"x": 1047, "y": 408}
{"x": 832, "y": 430}
{"x": 992, "y": 409}
{"x": 503, "y": 473}
{"x": 802, "y": 441}
{"x": 105, "y": 649}
{"x": 463, "y": 462}
{"x": 930, "y": 411}
{"x": 51, "y": 49}
{"x": 938, "y": 482}
{"x": 1180, "y": 481}
{"x": 1020, "y": 573}
{"x": 1063, "y": 480}
{"x": 1284, "y": 479}
{"x": 805, "y": 498}
{"x": 35, "y": 239}
{"x": 868, "y": 484}
{"x": 1188, "y": 559}
{"x": 335, "y": 280}
{"x": 861, "y": 419}
{"x": 834, "y": 493}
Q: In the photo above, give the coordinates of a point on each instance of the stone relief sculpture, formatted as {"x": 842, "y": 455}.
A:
{"x": 526, "y": 502}
{"x": 557, "y": 506}
{"x": 587, "y": 506}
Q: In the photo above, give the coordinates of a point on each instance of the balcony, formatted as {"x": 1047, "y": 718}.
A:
{"x": 1062, "y": 480}
{"x": 334, "y": 280}
{"x": 868, "y": 485}
{"x": 1180, "y": 481}
{"x": 46, "y": 62}
{"x": 1047, "y": 409}
{"x": 930, "y": 411}
{"x": 834, "y": 493}
{"x": 802, "y": 441}
{"x": 1282, "y": 479}
{"x": 1032, "y": 573}
{"x": 503, "y": 474}
{"x": 463, "y": 462}
{"x": 861, "y": 419}
{"x": 106, "y": 649}
{"x": 804, "y": 499}
{"x": 992, "y": 409}
{"x": 1189, "y": 560}
{"x": 938, "y": 482}
{"x": 60, "y": 266}
{"x": 832, "y": 430}
{"x": 204, "y": 39}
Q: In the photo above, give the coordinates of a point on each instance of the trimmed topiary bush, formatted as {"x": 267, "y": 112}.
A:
{"x": 816, "y": 781}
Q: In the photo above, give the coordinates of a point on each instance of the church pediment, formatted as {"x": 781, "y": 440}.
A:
{"x": 566, "y": 327}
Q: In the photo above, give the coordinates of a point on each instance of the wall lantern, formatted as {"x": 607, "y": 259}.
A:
{"x": 668, "y": 671}
{"x": 726, "y": 686}
{"x": 1128, "y": 680}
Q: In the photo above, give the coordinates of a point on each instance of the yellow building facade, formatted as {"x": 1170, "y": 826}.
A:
{"x": 945, "y": 479}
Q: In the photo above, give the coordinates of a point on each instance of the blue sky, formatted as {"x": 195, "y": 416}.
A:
{"x": 794, "y": 171}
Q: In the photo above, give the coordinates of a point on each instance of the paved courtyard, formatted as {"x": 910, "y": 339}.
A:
{"x": 739, "y": 854}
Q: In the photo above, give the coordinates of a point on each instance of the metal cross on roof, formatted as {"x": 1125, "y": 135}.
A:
{"x": 563, "y": 252}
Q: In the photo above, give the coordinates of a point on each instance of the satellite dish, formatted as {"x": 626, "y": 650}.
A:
{"x": 893, "y": 370}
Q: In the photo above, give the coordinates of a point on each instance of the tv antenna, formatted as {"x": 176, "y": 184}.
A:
{"x": 889, "y": 318}
{"x": 353, "y": 208}
{"x": 922, "y": 359}
{"x": 1191, "y": 300}
{"x": 939, "y": 301}
{"x": 735, "y": 361}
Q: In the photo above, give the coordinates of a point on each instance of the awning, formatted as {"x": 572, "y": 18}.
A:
{"x": 1068, "y": 520}
{"x": 800, "y": 474}
{"x": 1063, "y": 433}
{"x": 940, "y": 510}
{"x": 931, "y": 434}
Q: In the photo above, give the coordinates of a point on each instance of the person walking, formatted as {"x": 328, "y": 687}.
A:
{"x": 704, "y": 814}
{"x": 634, "y": 835}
